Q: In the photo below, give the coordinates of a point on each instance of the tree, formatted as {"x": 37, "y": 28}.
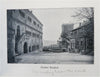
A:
{"x": 65, "y": 39}
{"x": 65, "y": 36}
{"x": 85, "y": 13}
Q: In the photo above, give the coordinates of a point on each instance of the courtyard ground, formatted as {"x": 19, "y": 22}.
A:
{"x": 54, "y": 58}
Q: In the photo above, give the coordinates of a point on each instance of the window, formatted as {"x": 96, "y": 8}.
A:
{"x": 37, "y": 36}
{"x": 21, "y": 13}
{"x": 29, "y": 19}
{"x": 28, "y": 32}
{"x": 41, "y": 37}
{"x": 81, "y": 42}
{"x": 34, "y": 22}
{"x": 38, "y": 25}
{"x": 77, "y": 44}
{"x": 76, "y": 32}
{"x": 18, "y": 31}
{"x": 41, "y": 27}
{"x": 34, "y": 34}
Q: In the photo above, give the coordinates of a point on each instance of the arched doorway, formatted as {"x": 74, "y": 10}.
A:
{"x": 25, "y": 48}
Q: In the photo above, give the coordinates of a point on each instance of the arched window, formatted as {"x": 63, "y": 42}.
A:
{"x": 18, "y": 31}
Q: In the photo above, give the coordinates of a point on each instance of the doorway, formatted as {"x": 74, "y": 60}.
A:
{"x": 25, "y": 47}
{"x": 29, "y": 48}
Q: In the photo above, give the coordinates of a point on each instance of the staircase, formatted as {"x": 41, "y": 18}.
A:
{"x": 18, "y": 45}
{"x": 22, "y": 37}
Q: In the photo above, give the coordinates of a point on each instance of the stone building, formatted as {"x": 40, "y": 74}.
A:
{"x": 83, "y": 39}
{"x": 79, "y": 40}
{"x": 78, "y": 45}
{"x": 24, "y": 32}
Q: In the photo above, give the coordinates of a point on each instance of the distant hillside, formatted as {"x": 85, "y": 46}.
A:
{"x": 48, "y": 42}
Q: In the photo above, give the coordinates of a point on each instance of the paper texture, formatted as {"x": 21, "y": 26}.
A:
{"x": 36, "y": 42}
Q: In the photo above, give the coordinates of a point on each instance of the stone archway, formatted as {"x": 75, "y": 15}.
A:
{"x": 25, "y": 47}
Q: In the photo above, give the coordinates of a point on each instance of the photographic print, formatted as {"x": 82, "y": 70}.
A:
{"x": 50, "y": 36}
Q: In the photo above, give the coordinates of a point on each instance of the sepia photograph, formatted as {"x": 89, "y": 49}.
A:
{"x": 50, "y": 35}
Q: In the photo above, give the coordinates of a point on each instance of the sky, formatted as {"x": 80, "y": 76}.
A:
{"x": 52, "y": 20}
